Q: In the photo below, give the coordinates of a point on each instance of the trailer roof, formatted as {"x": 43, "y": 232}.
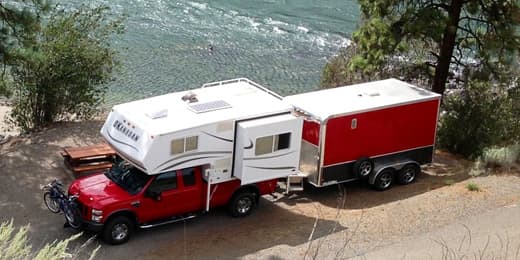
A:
{"x": 375, "y": 95}
{"x": 216, "y": 102}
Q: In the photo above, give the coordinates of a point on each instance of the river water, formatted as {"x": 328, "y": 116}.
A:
{"x": 177, "y": 45}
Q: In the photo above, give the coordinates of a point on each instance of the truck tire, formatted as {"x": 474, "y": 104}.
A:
{"x": 384, "y": 179}
{"x": 118, "y": 230}
{"x": 363, "y": 167}
{"x": 408, "y": 173}
{"x": 242, "y": 204}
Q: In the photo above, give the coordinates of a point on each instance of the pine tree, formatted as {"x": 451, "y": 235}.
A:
{"x": 471, "y": 35}
{"x": 19, "y": 19}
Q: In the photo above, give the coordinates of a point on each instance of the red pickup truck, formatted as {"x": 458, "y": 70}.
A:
{"x": 123, "y": 199}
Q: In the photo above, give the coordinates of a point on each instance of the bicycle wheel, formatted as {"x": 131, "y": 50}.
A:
{"x": 51, "y": 203}
{"x": 73, "y": 216}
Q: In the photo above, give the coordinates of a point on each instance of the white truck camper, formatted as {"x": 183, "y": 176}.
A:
{"x": 382, "y": 131}
{"x": 235, "y": 129}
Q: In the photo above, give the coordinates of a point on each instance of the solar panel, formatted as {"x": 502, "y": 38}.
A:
{"x": 209, "y": 106}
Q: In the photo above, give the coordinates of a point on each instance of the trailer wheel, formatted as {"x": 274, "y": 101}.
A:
{"x": 408, "y": 173}
{"x": 118, "y": 230}
{"x": 242, "y": 204}
{"x": 363, "y": 167}
{"x": 384, "y": 179}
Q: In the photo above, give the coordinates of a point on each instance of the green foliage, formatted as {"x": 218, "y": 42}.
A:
{"x": 436, "y": 36}
{"x": 473, "y": 187}
{"x": 501, "y": 156}
{"x": 339, "y": 70}
{"x": 481, "y": 116}
{"x": 14, "y": 245}
{"x": 19, "y": 19}
{"x": 66, "y": 70}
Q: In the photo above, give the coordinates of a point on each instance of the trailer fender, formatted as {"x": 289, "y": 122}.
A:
{"x": 396, "y": 166}
{"x": 373, "y": 176}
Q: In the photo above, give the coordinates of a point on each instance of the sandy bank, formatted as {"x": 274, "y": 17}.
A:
{"x": 5, "y": 129}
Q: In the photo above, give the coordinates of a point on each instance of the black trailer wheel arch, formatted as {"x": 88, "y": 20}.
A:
{"x": 383, "y": 179}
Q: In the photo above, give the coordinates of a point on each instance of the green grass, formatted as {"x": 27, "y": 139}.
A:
{"x": 449, "y": 182}
{"x": 473, "y": 187}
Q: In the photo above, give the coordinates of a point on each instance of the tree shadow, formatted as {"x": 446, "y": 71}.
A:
{"x": 28, "y": 163}
{"x": 446, "y": 170}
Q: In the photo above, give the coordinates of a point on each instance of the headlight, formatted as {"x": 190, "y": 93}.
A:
{"x": 97, "y": 212}
{"x": 97, "y": 218}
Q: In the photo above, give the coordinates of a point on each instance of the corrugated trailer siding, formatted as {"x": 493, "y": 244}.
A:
{"x": 311, "y": 132}
{"x": 381, "y": 132}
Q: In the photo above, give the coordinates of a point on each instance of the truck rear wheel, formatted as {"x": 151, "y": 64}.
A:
{"x": 363, "y": 167}
{"x": 384, "y": 179}
{"x": 242, "y": 204}
{"x": 408, "y": 173}
{"x": 118, "y": 230}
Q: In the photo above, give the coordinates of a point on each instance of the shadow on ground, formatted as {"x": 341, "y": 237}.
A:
{"x": 447, "y": 170}
{"x": 26, "y": 164}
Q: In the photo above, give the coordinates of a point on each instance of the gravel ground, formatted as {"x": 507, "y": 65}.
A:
{"x": 339, "y": 221}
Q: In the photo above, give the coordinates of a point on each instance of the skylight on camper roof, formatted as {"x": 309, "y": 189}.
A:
{"x": 209, "y": 106}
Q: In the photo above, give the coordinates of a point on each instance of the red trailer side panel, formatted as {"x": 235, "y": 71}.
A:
{"x": 381, "y": 132}
{"x": 311, "y": 132}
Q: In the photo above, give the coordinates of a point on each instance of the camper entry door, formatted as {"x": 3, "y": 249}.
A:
{"x": 267, "y": 148}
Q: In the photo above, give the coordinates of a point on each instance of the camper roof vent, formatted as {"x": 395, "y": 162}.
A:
{"x": 157, "y": 114}
{"x": 209, "y": 106}
{"x": 190, "y": 97}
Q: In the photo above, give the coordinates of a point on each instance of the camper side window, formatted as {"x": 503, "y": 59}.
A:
{"x": 272, "y": 143}
{"x": 182, "y": 145}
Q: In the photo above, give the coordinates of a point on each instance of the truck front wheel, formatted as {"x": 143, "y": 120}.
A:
{"x": 118, "y": 230}
{"x": 242, "y": 204}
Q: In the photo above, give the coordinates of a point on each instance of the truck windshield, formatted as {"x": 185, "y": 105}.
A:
{"x": 128, "y": 177}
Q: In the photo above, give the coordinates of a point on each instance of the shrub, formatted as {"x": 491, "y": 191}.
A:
{"x": 473, "y": 187}
{"x": 14, "y": 245}
{"x": 66, "y": 71}
{"x": 502, "y": 156}
{"x": 476, "y": 118}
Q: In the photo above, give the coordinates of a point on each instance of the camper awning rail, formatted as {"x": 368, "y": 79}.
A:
{"x": 252, "y": 83}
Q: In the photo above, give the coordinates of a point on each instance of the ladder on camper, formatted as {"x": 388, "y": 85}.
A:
{"x": 215, "y": 176}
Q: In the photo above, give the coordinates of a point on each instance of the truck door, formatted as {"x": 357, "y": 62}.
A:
{"x": 180, "y": 193}
{"x": 267, "y": 148}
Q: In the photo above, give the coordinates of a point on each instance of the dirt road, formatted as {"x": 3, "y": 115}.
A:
{"x": 340, "y": 221}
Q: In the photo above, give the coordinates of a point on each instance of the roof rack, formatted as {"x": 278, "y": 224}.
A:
{"x": 250, "y": 82}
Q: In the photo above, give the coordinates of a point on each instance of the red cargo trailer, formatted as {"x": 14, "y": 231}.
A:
{"x": 382, "y": 130}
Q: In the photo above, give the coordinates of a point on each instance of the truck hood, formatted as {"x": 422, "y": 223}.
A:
{"x": 98, "y": 191}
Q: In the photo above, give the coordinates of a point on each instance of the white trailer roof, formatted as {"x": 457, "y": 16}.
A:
{"x": 216, "y": 102}
{"x": 323, "y": 104}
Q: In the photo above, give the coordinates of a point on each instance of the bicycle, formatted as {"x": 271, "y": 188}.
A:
{"x": 56, "y": 201}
